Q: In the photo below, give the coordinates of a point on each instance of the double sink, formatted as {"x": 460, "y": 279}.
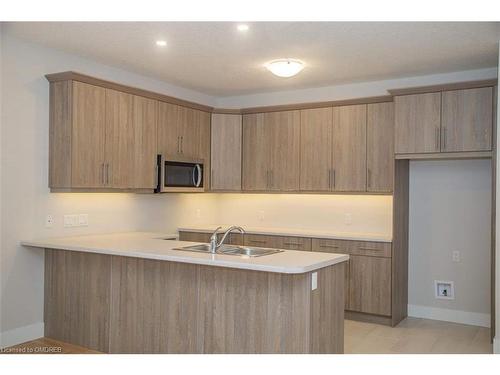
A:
{"x": 231, "y": 250}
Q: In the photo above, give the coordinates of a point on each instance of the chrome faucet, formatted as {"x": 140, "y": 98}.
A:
{"x": 214, "y": 245}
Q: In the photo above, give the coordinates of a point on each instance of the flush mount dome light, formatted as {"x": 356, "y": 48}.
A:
{"x": 285, "y": 67}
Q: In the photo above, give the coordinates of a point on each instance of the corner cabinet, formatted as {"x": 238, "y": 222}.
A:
{"x": 226, "y": 152}
{"x": 444, "y": 122}
{"x": 100, "y": 138}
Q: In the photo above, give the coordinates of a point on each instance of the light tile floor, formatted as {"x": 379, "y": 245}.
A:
{"x": 415, "y": 336}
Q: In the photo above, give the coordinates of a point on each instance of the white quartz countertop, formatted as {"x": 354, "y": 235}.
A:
{"x": 150, "y": 245}
{"x": 295, "y": 232}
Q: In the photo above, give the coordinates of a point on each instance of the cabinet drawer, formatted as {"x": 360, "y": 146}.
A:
{"x": 377, "y": 249}
{"x": 259, "y": 240}
{"x": 293, "y": 243}
{"x": 194, "y": 236}
{"x": 330, "y": 246}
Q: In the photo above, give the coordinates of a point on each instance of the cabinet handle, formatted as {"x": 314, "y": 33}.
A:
{"x": 436, "y": 135}
{"x": 329, "y": 246}
{"x": 271, "y": 179}
{"x": 102, "y": 174}
{"x": 267, "y": 179}
{"x": 292, "y": 244}
{"x": 329, "y": 179}
{"x": 257, "y": 241}
{"x": 369, "y": 182}
{"x": 182, "y": 145}
{"x": 107, "y": 173}
{"x": 369, "y": 248}
{"x": 444, "y": 138}
{"x": 334, "y": 179}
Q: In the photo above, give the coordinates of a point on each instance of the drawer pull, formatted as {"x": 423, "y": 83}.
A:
{"x": 369, "y": 248}
{"x": 292, "y": 244}
{"x": 329, "y": 246}
{"x": 257, "y": 241}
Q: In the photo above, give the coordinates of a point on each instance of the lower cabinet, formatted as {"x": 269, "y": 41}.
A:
{"x": 370, "y": 284}
{"x": 368, "y": 273}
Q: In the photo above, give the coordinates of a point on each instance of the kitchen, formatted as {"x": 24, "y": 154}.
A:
{"x": 127, "y": 179}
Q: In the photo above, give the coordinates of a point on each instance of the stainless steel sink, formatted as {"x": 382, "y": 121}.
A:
{"x": 250, "y": 251}
{"x": 231, "y": 250}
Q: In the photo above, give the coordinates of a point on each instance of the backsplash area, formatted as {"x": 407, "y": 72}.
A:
{"x": 342, "y": 213}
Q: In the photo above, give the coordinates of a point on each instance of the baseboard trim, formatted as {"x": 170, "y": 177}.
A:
{"x": 21, "y": 334}
{"x": 447, "y": 315}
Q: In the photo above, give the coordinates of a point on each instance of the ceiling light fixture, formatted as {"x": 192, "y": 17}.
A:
{"x": 242, "y": 27}
{"x": 285, "y": 67}
{"x": 161, "y": 43}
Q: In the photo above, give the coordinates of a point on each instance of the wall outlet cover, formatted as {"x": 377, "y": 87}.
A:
{"x": 444, "y": 289}
{"x": 314, "y": 281}
{"x": 348, "y": 219}
{"x": 262, "y": 215}
{"x": 455, "y": 256}
{"x": 49, "y": 221}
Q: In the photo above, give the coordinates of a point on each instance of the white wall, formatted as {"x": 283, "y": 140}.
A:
{"x": 25, "y": 196}
{"x": 450, "y": 209}
{"x": 352, "y": 90}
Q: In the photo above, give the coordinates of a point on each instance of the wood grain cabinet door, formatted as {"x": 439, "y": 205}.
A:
{"x": 417, "y": 121}
{"x": 144, "y": 143}
{"x": 226, "y": 152}
{"x": 380, "y": 147}
{"x": 88, "y": 136}
{"x": 370, "y": 285}
{"x": 119, "y": 139}
{"x": 467, "y": 120}
{"x": 316, "y": 149}
{"x": 284, "y": 134}
{"x": 255, "y": 153}
{"x": 349, "y": 148}
{"x": 168, "y": 142}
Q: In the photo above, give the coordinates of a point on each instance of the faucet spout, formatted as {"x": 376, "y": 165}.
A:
{"x": 214, "y": 245}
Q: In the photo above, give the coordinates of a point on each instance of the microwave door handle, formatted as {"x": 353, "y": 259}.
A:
{"x": 198, "y": 180}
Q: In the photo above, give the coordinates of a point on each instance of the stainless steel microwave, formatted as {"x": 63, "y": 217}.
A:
{"x": 179, "y": 175}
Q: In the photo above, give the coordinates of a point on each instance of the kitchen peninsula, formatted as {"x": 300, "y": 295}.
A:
{"x": 134, "y": 293}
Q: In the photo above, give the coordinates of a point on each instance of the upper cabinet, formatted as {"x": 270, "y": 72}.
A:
{"x": 316, "y": 139}
{"x": 183, "y": 133}
{"x": 467, "y": 120}
{"x": 380, "y": 147}
{"x": 270, "y": 153}
{"x": 349, "y": 148}
{"x": 226, "y": 152}
{"x": 100, "y": 138}
{"x": 448, "y": 121}
{"x": 418, "y": 120}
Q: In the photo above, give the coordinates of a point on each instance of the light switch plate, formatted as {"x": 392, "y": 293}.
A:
{"x": 83, "y": 220}
{"x": 314, "y": 281}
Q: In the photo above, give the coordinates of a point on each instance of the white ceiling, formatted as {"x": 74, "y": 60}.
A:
{"x": 216, "y": 59}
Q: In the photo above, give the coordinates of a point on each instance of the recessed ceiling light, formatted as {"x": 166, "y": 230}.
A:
{"x": 285, "y": 67}
{"x": 242, "y": 27}
{"x": 161, "y": 43}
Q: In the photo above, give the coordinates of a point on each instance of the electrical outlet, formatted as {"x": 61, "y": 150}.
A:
{"x": 444, "y": 289}
{"x": 314, "y": 281}
{"x": 83, "y": 220}
{"x": 455, "y": 256}
{"x": 262, "y": 215}
{"x": 347, "y": 219}
{"x": 198, "y": 213}
{"x": 49, "y": 221}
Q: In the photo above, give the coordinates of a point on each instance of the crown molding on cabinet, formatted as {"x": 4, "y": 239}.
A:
{"x": 70, "y": 75}
{"x": 443, "y": 87}
{"x": 67, "y": 76}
